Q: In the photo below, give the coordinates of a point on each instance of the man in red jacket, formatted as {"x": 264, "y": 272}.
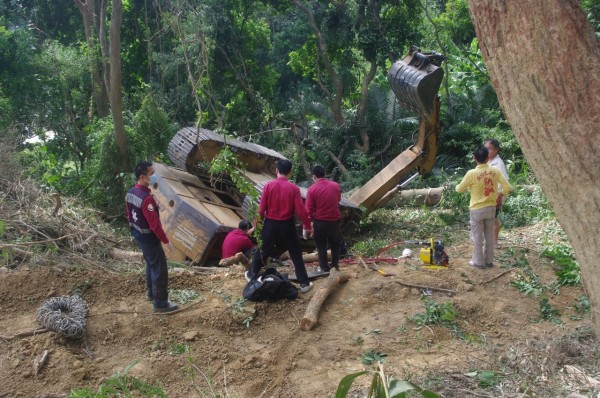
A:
{"x": 322, "y": 206}
{"x": 239, "y": 241}
{"x": 279, "y": 201}
{"x": 145, "y": 226}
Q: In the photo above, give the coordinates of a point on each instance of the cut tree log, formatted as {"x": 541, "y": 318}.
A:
{"x": 238, "y": 258}
{"x": 306, "y": 257}
{"x": 126, "y": 255}
{"x": 311, "y": 316}
{"x": 425, "y": 196}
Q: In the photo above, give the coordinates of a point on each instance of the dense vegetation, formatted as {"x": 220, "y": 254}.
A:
{"x": 248, "y": 68}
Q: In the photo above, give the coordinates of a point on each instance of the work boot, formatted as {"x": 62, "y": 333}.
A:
{"x": 149, "y": 296}
{"x": 305, "y": 288}
{"x": 170, "y": 307}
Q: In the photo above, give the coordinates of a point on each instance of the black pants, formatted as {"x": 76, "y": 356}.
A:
{"x": 328, "y": 232}
{"x": 157, "y": 274}
{"x": 280, "y": 233}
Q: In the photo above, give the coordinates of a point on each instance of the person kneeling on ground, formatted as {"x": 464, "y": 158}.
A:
{"x": 238, "y": 245}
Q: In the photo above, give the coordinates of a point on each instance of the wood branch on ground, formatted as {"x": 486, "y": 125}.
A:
{"x": 58, "y": 205}
{"x": 497, "y": 276}
{"x": 21, "y": 254}
{"x": 83, "y": 246}
{"x": 311, "y": 316}
{"x": 437, "y": 289}
{"x": 207, "y": 270}
{"x": 39, "y": 242}
{"x": 40, "y": 361}
{"x": 25, "y": 334}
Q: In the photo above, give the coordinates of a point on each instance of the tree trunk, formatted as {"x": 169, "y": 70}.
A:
{"x": 99, "y": 93}
{"x": 362, "y": 108}
{"x": 544, "y": 63}
{"x": 311, "y": 316}
{"x": 116, "y": 101}
{"x": 335, "y": 99}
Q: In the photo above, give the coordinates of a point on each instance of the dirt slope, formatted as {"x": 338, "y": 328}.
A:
{"x": 500, "y": 328}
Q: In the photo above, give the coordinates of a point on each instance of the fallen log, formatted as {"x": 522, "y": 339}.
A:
{"x": 311, "y": 316}
{"x": 425, "y": 196}
{"x": 126, "y": 255}
{"x": 306, "y": 257}
{"x": 237, "y": 258}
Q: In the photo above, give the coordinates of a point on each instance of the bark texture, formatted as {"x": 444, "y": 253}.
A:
{"x": 544, "y": 63}
{"x": 311, "y": 316}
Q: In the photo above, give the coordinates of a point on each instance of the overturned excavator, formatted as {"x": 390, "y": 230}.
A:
{"x": 197, "y": 211}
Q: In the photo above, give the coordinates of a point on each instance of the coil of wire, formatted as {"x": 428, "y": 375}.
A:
{"x": 65, "y": 315}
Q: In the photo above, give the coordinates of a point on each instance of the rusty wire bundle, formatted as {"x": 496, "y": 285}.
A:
{"x": 65, "y": 315}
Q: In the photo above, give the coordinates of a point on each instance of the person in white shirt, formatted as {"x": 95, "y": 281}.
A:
{"x": 493, "y": 147}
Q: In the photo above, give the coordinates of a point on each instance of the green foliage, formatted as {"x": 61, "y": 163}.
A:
{"x": 152, "y": 130}
{"x": 592, "y": 7}
{"x": 485, "y": 378}
{"x": 238, "y": 310}
{"x": 524, "y": 208}
{"x": 528, "y": 282}
{"x": 382, "y": 386}
{"x": 567, "y": 268}
{"x": 549, "y": 313}
{"x": 436, "y": 313}
{"x": 582, "y": 306}
{"x": 183, "y": 296}
{"x": 226, "y": 163}
{"x": 121, "y": 385}
{"x": 454, "y": 21}
{"x": 371, "y": 356}
{"x": 368, "y": 247}
{"x": 3, "y": 228}
{"x": 178, "y": 348}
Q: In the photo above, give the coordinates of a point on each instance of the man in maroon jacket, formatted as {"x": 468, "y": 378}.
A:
{"x": 322, "y": 206}
{"x": 279, "y": 201}
{"x": 145, "y": 226}
{"x": 239, "y": 241}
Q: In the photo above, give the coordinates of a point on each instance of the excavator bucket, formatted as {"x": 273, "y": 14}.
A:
{"x": 416, "y": 80}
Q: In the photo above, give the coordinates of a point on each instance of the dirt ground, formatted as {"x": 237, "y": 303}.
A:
{"x": 500, "y": 330}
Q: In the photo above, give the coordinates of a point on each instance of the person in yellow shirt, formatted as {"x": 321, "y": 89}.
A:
{"x": 483, "y": 182}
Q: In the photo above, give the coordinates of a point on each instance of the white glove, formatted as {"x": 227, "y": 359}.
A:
{"x": 305, "y": 234}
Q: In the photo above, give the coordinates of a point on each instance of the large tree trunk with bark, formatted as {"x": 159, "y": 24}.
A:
{"x": 99, "y": 93}
{"x": 116, "y": 100}
{"x": 544, "y": 62}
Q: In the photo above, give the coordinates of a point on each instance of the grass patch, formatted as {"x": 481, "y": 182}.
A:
{"x": 183, "y": 296}
{"x": 121, "y": 385}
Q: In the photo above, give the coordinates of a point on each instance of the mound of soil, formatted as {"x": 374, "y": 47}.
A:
{"x": 213, "y": 347}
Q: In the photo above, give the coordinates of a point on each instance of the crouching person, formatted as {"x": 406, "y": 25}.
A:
{"x": 238, "y": 246}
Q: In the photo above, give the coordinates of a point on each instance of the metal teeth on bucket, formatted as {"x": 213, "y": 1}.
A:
{"x": 416, "y": 80}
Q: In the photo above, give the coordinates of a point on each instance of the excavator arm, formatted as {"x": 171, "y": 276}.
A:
{"x": 415, "y": 80}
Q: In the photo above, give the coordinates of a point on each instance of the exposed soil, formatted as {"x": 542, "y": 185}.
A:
{"x": 500, "y": 329}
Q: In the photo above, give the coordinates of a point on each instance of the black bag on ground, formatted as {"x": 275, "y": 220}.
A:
{"x": 270, "y": 285}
